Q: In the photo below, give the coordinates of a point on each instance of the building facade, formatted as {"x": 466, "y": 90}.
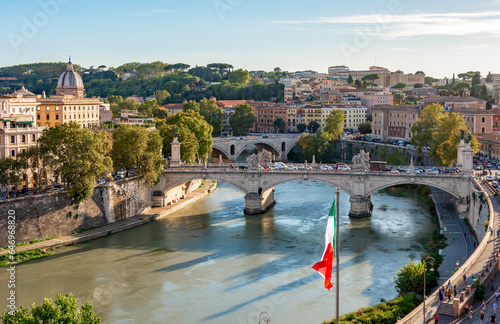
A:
{"x": 395, "y": 122}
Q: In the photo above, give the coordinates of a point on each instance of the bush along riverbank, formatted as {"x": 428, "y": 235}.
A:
{"x": 24, "y": 256}
{"x": 388, "y": 312}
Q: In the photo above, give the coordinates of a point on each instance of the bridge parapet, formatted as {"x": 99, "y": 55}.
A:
{"x": 360, "y": 185}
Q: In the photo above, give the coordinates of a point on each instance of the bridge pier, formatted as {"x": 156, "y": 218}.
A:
{"x": 259, "y": 204}
{"x": 361, "y": 207}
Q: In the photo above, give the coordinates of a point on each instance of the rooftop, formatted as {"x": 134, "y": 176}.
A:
{"x": 450, "y": 98}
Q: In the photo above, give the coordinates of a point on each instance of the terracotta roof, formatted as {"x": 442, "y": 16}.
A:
{"x": 392, "y": 107}
{"x": 174, "y": 105}
{"x": 451, "y": 98}
{"x": 234, "y": 103}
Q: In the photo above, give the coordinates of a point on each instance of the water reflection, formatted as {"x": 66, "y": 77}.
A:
{"x": 211, "y": 264}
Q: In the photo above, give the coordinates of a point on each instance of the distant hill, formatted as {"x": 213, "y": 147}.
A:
{"x": 144, "y": 79}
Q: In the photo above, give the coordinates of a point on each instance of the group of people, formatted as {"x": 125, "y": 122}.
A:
{"x": 446, "y": 291}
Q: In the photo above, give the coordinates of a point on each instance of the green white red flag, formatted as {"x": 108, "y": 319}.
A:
{"x": 324, "y": 267}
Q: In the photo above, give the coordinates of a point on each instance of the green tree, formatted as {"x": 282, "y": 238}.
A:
{"x": 441, "y": 132}
{"x": 239, "y": 76}
{"x": 420, "y": 72}
{"x": 350, "y": 80}
{"x": 194, "y": 133}
{"x": 334, "y": 124}
{"x": 313, "y": 126}
{"x": 162, "y": 97}
{"x": 191, "y": 105}
{"x": 399, "y": 86}
{"x": 148, "y": 107}
{"x": 489, "y": 77}
{"x": 320, "y": 145}
{"x": 365, "y": 128}
{"x": 371, "y": 78}
{"x": 427, "y": 125}
{"x": 242, "y": 119}
{"x": 398, "y": 98}
{"x": 139, "y": 148}
{"x": 410, "y": 278}
{"x": 213, "y": 114}
{"x": 10, "y": 171}
{"x": 279, "y": 124}
{"x": 301, "y": 127}
{"x": 64, "y": 310}
{"x": 430, "y": 80}
{"x": 79, "y": 156}
{"x": 33, "y": 158}
{"x": 418, "y": 85}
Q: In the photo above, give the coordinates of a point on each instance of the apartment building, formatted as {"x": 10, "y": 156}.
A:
{"x": 266, "y": 115}
{"x": 389, "y": 121}
{"x": 408, "y": 79}
{"x": 489, "y": 144}
{"x": 354, "y": 115}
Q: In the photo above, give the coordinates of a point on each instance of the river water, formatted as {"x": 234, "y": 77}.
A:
{"x": 209, "y": 263}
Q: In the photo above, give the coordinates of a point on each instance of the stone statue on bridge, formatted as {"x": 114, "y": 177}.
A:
{"x": 253, "y": 161}
{"x": 361, "y": 161}
{"x": 468, "y": 138}
{"x": 265, "y": 158}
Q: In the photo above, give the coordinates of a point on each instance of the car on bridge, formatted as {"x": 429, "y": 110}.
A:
{"x": 489, "y": 178}
{"x": 325, "y": 167}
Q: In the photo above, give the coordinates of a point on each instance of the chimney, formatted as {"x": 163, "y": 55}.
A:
{"x": 44, "y": 95}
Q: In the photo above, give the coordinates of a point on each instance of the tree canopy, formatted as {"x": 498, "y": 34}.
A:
{"x": 213, "y": 115}
{"x": 242, "y": 119}
{"x": 138, "y": 148}
{"x": 239, "y": 76}
{"x": 194, "y": 133}
{"x": 334, "y": 124}
{"x": 279, "y": 124}
{"x": 63, "y": 310}
{"x": 441, "y": 132}
{"x": 78, "y": 155}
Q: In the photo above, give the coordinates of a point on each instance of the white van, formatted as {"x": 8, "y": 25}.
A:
{"x": 280, "y": 165}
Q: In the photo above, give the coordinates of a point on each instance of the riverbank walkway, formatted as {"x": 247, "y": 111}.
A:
{"x": 147, "y": 216}
{"x": 492, "y": 245}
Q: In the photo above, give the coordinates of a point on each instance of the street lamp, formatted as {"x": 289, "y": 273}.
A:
{"x": 431, "y": 262}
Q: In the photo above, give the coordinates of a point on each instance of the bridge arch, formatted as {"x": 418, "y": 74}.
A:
{"x": 275, "y": 150}
{"x": 417, "y": 181}
{"x": 172, "y": 183}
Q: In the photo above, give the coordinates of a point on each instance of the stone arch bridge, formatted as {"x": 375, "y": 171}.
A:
{"x": 258, "y": 184}
{"x": 231, "y": 148}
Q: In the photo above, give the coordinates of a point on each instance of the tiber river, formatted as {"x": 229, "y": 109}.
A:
{"x": 209, "y": 263}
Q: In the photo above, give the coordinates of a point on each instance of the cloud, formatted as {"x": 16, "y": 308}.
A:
{"x": 416, "y": 24}
{"x": 401, "y": 49}
{"x": 471, "y": 47}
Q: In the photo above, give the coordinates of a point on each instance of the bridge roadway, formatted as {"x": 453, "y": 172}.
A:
{"x": 258, "y": 184}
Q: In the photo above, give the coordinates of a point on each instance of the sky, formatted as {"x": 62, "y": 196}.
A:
{"x": 437, "y": 37}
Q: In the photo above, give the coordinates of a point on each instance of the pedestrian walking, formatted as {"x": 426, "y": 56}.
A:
{"x": 497, "y": 296}
{"x": 455, "y": 291}
{"x": 449, "y": 294}
{"x": 436, "y": 318}
{"x": 471, "y": 279}
{"x": 493, "y": 318}
{"x": 465, "y": 279}
{"x": 483, "y": 305}
{"x": 470, "y": 311}
{"x": 495, "y": 306}
{"x": 482, "y": 317}
{"x": 441, "y": 297}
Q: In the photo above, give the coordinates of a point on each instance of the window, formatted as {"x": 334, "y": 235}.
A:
{"x": 38, "y": 108}
{"x": 57, "y": 117}
{"x": 47, "y": 108}
{"x": 57, "y": 108}
{"x": 483, "y": 130}
{"x": 38, "y": 116}
{"x": 48, "y": 116}
{"x": 12, "y": 139}
{"x": 23, "y": 138}
{"x": 483, "y": 119}
{"x": 33, "y": 137}
{"x": 13, "y": 153}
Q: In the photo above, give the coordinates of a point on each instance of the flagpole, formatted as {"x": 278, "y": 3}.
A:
{"x": 337, "y": 238}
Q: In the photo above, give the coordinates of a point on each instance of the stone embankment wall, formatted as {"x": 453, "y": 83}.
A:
{"x": 54, "y": 214}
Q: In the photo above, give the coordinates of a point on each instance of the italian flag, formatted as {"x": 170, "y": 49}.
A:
{"x": 324, "y": 267}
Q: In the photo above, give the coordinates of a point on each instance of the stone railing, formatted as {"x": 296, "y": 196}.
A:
{"x": 416, "y": 316}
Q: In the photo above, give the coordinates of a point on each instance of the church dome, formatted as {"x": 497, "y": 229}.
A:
{"x": 70, "y": 78}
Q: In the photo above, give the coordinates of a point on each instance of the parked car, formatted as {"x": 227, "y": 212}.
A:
{"x": 489, "y": 178}
{"x": 494, "y": 184}
{"x": 325, "y": 167}
{"x": 243, "y": 167}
